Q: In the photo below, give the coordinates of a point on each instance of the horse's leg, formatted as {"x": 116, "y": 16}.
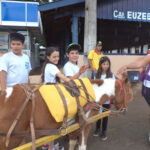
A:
{"x": 84, "y": 137}
{"x": 73, "y": 139}
{"x": 85, "y": 132}
{"x": 51, "y": 144}
{"x": 72, "y": 144}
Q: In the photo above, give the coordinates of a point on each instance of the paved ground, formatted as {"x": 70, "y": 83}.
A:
{"x": 126, "y": 132}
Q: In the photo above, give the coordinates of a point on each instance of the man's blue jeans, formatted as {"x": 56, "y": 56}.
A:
{"x": 93, "y": 75}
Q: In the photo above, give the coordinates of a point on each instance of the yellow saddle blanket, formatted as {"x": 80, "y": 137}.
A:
{"x": 55, "y": 104}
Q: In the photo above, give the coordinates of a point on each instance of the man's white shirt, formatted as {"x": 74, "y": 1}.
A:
{"x": 17, "y": 68}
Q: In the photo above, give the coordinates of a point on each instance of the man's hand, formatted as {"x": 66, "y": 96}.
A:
{"x": 122, "y": 70}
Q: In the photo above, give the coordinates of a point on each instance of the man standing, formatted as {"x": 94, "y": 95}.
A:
{"x": 94, "y": 57}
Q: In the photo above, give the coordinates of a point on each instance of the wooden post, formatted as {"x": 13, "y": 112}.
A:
{"x": 90, "y": 29}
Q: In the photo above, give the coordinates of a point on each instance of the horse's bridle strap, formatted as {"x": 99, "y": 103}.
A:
{"x": 121, "y": 86}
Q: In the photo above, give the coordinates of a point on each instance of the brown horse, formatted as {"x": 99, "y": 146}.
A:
{"x": 10, "y": 104}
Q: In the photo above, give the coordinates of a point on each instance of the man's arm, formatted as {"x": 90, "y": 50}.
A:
{"x": 3, "y": 75}
{"x": 135, "y": 65}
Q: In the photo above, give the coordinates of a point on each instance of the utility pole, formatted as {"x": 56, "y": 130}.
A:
{"x": 90, "y": 29}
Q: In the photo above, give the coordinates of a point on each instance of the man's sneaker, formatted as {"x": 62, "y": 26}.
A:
{"x": 97, "y": 132}
{"x": 104, "y": 136}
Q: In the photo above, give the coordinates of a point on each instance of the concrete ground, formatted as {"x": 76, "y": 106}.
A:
{"x": 126, "y": 132}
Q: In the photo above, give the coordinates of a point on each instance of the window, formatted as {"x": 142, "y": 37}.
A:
{"x": 4, "y": 41}
{"x": 27, "y": 43}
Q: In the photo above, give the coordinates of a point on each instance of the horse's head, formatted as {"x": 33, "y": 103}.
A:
{"x": 123, "y": 93}
{"x": 118, "y": 91}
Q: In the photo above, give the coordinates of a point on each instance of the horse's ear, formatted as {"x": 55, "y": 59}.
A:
{"x": 125, "y": 77}
{"x": 97, "y": 81}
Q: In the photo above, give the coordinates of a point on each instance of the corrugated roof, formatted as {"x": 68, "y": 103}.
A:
{"x": 59, "y": 4}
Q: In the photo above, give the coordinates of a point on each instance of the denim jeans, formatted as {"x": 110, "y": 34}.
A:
{"x": 93, "y": 75}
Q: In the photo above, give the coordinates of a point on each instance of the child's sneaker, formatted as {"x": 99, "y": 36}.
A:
{"x": 45, "y": 146}
{"x": 97, "y": 132}
{"x": 104, "y": 136}
{"x": 61, "y": 148}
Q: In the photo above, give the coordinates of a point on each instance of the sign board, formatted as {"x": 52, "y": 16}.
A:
{"x": 19, "y": 13}
{"x": 126, "y": 10}
{"x": 131, "y": 15}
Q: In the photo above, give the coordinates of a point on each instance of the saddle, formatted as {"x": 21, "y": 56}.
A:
{"x": 58, "y": 95}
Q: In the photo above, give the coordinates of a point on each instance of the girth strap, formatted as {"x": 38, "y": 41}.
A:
{"x": 65, "y": 105}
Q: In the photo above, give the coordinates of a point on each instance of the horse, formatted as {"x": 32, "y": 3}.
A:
{"x": 10, "y": 103}
{"x": 121, "y": 95}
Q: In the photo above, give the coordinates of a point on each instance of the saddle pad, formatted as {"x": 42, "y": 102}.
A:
{"x": 55, "y": 104}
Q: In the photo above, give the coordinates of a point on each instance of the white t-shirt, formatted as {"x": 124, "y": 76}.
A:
{"x": 70, "y": 69}
{"x": 17, "y": 68}
{"x": 50, "y": 73}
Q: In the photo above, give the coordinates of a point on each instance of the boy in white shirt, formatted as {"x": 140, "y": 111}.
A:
{"x": 15, "y": 66}
{"x": 71, "y": 69}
